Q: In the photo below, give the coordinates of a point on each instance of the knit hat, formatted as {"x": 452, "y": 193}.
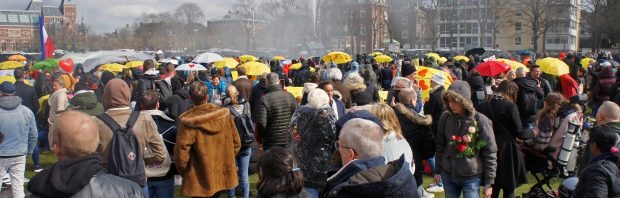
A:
{"x": 439, "y": 79}
{"x": 7, "y": 88}
{"x": 106, "y": 76}
{"x": 406, "y": 70}
{"x": 462, "y": 88}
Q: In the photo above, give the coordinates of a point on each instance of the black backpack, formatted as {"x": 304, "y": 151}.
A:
{"x": 527, "y": 102}
{"x": 244, "y": 124}
{"x": 126, "y": 158}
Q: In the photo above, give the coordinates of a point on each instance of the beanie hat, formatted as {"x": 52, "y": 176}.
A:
{"x": 407, "y": 69}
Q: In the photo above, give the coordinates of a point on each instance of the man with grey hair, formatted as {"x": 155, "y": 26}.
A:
{"x": 364, "y": 172}
{"x": 335, "y": 76}
{"x": 521, "y": 72}
{"x": 273, "y": 114}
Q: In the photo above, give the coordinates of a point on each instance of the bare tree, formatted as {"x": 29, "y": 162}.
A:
{"x": 245, "y": 11}
{"x": 595, "y": 12}
{"x": 189, "y": 13}
{"x": 493, "y": 15}
{"x": 379, "y": 23}
{"x": 432, "y": 17}
{"x": 540, "y": 15}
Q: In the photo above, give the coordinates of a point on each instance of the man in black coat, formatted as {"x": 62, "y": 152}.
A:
{"x": 529, "y": 97}
{"x": 544, "y": 84}
{"x": 274, "y": 113}
{"x": 24, "y": 91}
{"x": 434, "y": 106}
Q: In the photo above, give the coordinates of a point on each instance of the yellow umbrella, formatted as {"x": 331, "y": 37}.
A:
{"x": 553, "y": 66}
{"x": 255, "y": 68}
{"x": 383, "y": 59}
{"x": 17, "y": 57}
{"x": 10, "y": 65}
{"x": 278, "y": 58}
{"x": 442, "y": 60}
{"x": 247, "y": 58}
{"x": 585, "y": 62}
{"x": 133, "y": 64}
{"x": 112, "y": 67}
{"x": 434, "y": 55}
{"x": 295, "y": 66}
{"x": 513, "y": 64}
{"x": 460, "y": 57}
{"x": 424, "y": 75}
{"x": 375, "y": 54}
{"x": 11, "y": 79}
{"x": 227, "y": 62}
{"x": 337, "y": 57}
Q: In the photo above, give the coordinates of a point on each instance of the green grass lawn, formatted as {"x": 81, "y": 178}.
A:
{"x": 48, "y": 158}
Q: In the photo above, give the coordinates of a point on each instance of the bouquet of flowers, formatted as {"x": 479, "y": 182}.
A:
{"x": 469, "y": 144}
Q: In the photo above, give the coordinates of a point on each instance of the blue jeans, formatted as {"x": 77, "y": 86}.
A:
{"x": 431, "y": 163}
{"x": 314, "y": 192}
{"x": 470, "y": 188}
{"x": 43, "y": 141}
{"x": 145, "y": 191}
{"x": 243, "y": 164}
{"x": 161, "y": 189}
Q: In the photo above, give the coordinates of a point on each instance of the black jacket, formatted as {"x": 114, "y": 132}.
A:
{"x": 274, "y": 114}
{"x": 81, "y": 177}
{"x": 528, "y": 89}
{"x": 28, "y": 95}
{"x": 434, "y": 106}
{"x": 178, "y": 103}
{"x": 371, "y": 177}
{"x": 601, "y": 178}
{"x": 417, "y": 131}
{"x": 255, "y": 98}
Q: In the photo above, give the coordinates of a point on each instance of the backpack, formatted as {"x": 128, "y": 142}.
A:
{"x": 527, "y": 102}
{"x": 126, "y": 158}
{"x": 244, "y": 124}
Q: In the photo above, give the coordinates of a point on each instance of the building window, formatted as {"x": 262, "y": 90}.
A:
{"x": 518, "y": 14}
{"x": 405, "y": 20}
{"x": 362, "y": 46}
{"x": 405, "y": 34}
{"x": 13, "y": 18}
{"x": 3, "y": 18}
{"x": 14, "y": 46}
{"x": 24, "y": 18}
{"x": 362, "y": 30}
{"x": 14, "y": 33}
{"x": 3, "y": 46}
{"x": 517, "y": 40}
{"x": 518, "y": 26}
{"x": 362, "y": 13}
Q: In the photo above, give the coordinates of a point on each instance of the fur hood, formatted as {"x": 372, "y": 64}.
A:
{"x": 458, "y": 98}
{"x": 355, "y": 82}
{"x": 425, "y": 120}
{"x": 207, "y": 117}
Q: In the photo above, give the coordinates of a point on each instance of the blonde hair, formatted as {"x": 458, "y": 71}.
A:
{"x": 388, "y": 118}
{"x": 233, "y": 93}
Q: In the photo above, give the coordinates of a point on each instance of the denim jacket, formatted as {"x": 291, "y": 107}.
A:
{"x": 18, "y": 125}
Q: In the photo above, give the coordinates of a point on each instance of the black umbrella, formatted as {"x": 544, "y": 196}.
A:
{"x": 475, "y": 51}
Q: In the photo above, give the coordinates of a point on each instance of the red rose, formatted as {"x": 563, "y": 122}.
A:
{"x": 461, "y": 148}
{"x": 453, "y": 138}
{"x": 459, "y": 138}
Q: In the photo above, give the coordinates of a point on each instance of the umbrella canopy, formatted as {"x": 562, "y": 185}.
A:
{"x": 442, "y": 60}
{"x": 383, "y": 59}
{"x": 112, "y": 67}
{"x": 17, "y": 57}
{"x": 247, "y": 58}
{"x": 492, "y": 68}
{"x": 337, "y": 57}
{"x": 434, "y": 55}
{"x": 169, "y": 60}
{"x": 207, "y": 57}
{"x": 525, "y": 53}
{"x": 295, "y": 66}
{"x": 513, "y": 64}
{"x": 46, "y": 65}
{"x": 553, "y": 66}
{"x": 278, "y": 58}
{"x": 424, "y": 75}
{"x": 461, "y": 57}
{"x": 191, "y": 67}
{"x": 134, "y": 64}
{"x": 10, "y": 65}
{"x": 227, "y": 62}
{"x": 585, "y": 62}
{"x": 375, "y": 54}
{"x": 255, "y": 68}
{"x": 475, "y": 51}
{"x": 103, "y": 57}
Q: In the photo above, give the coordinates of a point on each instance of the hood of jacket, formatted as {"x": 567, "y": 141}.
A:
{"x": 526, "y": 83}
{"x": 85, "y": 100}
{"x": 450, "y": 95}
{"x": 309, "y": 87}
{"x": 116, "y": 94}
{"x": 390, "y": 180}
{"x": 66, "y": 177}
{"x": 476, "y": 82}
{"x": 355, "y": 67}
{"x": 184, "y": 94}
{"x": 425, "y": 120}
{"x": 354, "y": 82}
{"x": 10, "y": 102}
{"x": 207, "y": 117}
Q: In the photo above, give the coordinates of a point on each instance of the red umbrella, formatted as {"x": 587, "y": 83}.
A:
{"x": 492, "y": 68}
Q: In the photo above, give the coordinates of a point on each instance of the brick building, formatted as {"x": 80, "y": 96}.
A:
{"x": 238, "y": 34}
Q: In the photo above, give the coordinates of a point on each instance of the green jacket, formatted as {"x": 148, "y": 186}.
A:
{"x": 86, "y": 102}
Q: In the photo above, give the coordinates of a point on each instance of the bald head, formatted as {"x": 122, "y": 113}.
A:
{"x": 77, "y": 135}
{"x": 608, "y": 112}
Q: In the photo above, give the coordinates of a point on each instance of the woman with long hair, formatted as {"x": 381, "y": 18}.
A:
{"x": 280, "y": 175}
{"x": 502, "y": 110}
{"x": 394, "y": 144}
{"x": 600, "y": 178}
{"x": 235, "y": 102}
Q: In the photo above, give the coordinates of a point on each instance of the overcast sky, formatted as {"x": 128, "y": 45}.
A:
{"x": 106, "y": 15}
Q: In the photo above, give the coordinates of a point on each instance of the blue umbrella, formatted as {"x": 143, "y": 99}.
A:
{"x": 525, "y": 52}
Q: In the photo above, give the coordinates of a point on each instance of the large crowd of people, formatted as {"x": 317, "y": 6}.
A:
{"x": 133, "y": 133}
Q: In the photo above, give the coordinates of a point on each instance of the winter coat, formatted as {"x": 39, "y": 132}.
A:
{"x": 258, "y": 91}
{"x": 387, "y": 75}
{"x": 394, "y": 148}
{"x": 370, "y": 76}
{"x": 274, "y": 116}
{"x": 586, "y": 156}
{"x": 81, "y": 177}
{"x": 416, "y": 129}
{"x": 167, "y": 129}
{"x": 570, "y": 86}
{"x": 178, "y": 103}
{"x": 371, "y": 177}
{"x": 478, "y": 91}
{"x": 529, "y": 98}
{"x": 344, "y": 92}
{"x": 28, "y": 95}
{"x": 58, "y": 101}
{"x": 313, "y": 134}
{"x": 19, "y": 127}
{"x": 601, "y": 178}
{"x": 602, "y": 90}
{"x": 552, "y": 136}
{"x": 86, "y": 101}
{"x": 244, "y": 85}
{"x": 204, "y": 154}
{"x": 484, "y": 163}
{"x": 434, "y": 106}
{"x": 144, "y": 128}
{"x": 507, "y": 127}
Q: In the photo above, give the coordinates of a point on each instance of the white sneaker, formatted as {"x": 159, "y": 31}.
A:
{"x": 424, "y": 194}
{"x": 434, "y": 188}
{"x": 38, "y": 170}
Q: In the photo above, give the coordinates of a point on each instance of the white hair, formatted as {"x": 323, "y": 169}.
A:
{"x": 334, "y": 74}
{"x": 317, "y": 98}
{"x": 363, "y": 136}
{"x": 521, "y": 72}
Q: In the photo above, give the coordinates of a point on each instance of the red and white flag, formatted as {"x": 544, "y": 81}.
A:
{"x": 47, "y": 47}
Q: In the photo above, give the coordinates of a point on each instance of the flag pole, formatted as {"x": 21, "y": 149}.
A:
{"x": 41, "y": 23}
